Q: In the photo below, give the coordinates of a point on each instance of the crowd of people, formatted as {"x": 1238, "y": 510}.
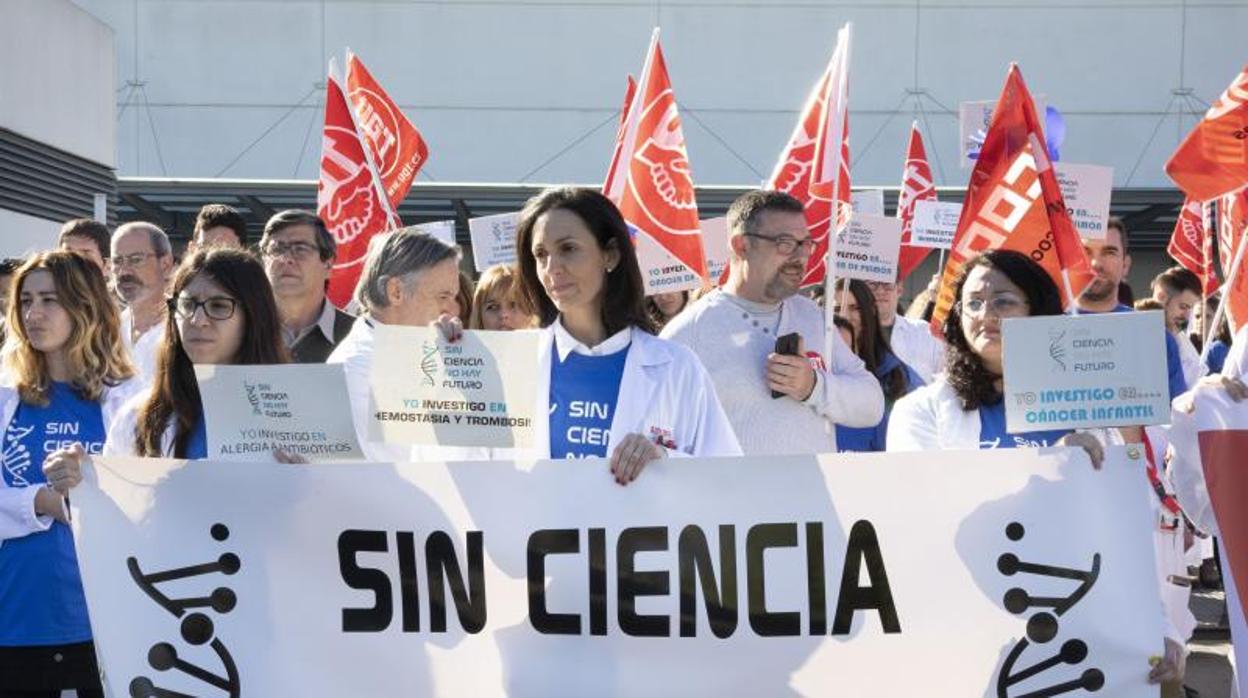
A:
{"x": 103, "y": 333}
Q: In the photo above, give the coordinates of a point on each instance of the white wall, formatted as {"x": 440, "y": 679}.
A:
{"x": 22, "y": 235}
{"x": 498, "y": 87}
{"x": 57, "y": 79}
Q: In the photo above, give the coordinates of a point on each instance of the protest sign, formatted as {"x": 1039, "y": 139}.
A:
{"x": 1068, "y": 372}
{"x": 1086, "y": 190}
{"x": 934, "y": 223}
{"x": 867, "y": 248}
{"x": 249, "y": 411}
{"x": 478, "y": 391}
{"x": 663, "y": 273}
{"x": 442, "y": 230}
{"x": 868, "y": 201}
{"x": 974, "y": 118}
{"x": 493, "y": 239}
{"x": 744, "y": 576}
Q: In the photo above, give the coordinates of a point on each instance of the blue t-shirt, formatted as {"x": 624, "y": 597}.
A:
{"x": 1174, "y": 362}
{"x": 197, "y": 446}
{"x": 874, "y": 439}
{"x": 992, "y": 433}
{"x": 583, "y": 393}
{"x": 1216, "y": 359}
{"x": 41, "y": 599}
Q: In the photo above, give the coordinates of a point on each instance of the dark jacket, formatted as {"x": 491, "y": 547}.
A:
{"x": 313, "y": 348}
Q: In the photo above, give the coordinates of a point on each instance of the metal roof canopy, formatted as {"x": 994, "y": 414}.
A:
{"x": 1149, "y": 213}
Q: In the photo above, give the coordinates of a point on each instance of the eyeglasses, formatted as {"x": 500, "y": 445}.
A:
{"x": 216, "y": 307}
{"x": 131, "y": 260}
{"x": 300, "y": 251}
{"x": 785, "y": 244}
{"x": 1001, "y": 306}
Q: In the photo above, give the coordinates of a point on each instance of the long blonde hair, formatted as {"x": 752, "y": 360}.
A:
{"x": 94, "y": 353}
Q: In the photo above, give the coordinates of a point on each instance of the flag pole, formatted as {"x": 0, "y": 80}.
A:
{"x": 829, "y": 265}
{"x": 391, "y": 215}
{"x": 1070, "y": 294}
{"x": 1227, "y": 287}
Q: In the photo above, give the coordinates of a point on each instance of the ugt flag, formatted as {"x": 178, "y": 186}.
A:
{"x": 1232, "y": 226}
{"x": 396, "y": 147}
{"x": 1191, "y": 244}
{"x": 651, "y": 181}
{"x": 1213, "y": 159}
{"x": 349, "y": 197}
{"x": 1013, "y": 202}
{"x": 814, "y": 166}
{"x": 916, "y": 185}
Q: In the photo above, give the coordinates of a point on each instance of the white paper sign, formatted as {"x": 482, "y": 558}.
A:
{"x": 868, "y": 201}
{"x": 249, "y": 411}
{"x": 1086, "y": 189}
{"x": 442, "y": 230}
{"x": 900, "y": 574}
{"x": 479, "y": 391}
{"x": 493, "y": 239}
{"x": 868, "y": 248}
{"x": 715, "y": 243}
{"x": 934, "y": 223}
{"x": 1069, "y": 372}
{"x": 663, "y": 273}
{"x": 974, "y": 118}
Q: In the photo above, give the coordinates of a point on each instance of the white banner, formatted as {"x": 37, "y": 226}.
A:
{"x": 249, "y": 411}
{"x": 493, "y": 239}
{"x": 868, "y": 248}
{"x": 985, "y": 573}
{"x": 1086, "y": 190}
{"x": 442, "y": 230}
{"x": 479, "y": 391}
{"x": 1074, "y": 371}
{"x": 934, "y": 224}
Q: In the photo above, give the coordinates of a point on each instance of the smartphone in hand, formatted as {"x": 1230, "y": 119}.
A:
{"x": 787, "y": 346}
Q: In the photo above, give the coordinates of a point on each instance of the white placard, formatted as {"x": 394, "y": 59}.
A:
{"x": 715, "y": 243}
{"x": 867, "y": 201}
{"x": 442, "y": 230}
{"x": 823, "y": 575}
{"x": 1069, "y": 372}
{"x": 663, "y": 273}
{"x": 1086, "y": 189}
{"x": 974, "y": 118}
{"x": 934, "y": 223}
{"x": 249, "y": 411}
{"x": 868, "y": 248}
{"x": 493, "y": 239}
{"x": 478, "y": 391}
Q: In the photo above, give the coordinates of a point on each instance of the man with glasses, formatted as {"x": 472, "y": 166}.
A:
{"x": 142, "y": 261}
{"x": 911, "y": 340}
{"x": 299, "y": 253}
{"x": 733, "y": 330}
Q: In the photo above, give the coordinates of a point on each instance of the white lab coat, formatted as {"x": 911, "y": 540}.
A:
{"x": 17, "y": 504}
{"x": 913, "y": 343}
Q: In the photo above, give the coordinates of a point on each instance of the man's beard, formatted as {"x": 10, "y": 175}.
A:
{"x": 1099, "y": 290}
{"x": 778, "y": 287}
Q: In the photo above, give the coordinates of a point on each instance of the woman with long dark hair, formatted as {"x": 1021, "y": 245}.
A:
{"x": 895, "y": 377}
{"x": 610, "y": 387}
{"x": 66, "y": 373}
{"x": 221, "y": 311}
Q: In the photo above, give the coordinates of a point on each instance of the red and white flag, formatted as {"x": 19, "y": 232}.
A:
{"x": 1213, "y": 159}
{"x": 349, "y": 197}
{"x": 397, "y": 149}
{"x": 1013, "y": 202}
{"x": 629, "y": 93}
{"x": 814, "y": 166}
{"x": 1232, "y": 227}
{"x": 651, "y": 181}
{"x": 916, "y": 185}
{"x": 1191, "y": 244}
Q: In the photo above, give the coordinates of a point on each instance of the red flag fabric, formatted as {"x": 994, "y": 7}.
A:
{"x": 349, "y": 197}
{"x": 1213, "y": 159}
{"x": 396, "y": 147}
{"x": 652, "y": 183}
{"x": 1232, "y": 226}
{"x": 1013, "y": 201}
{"x": 812, "y": 168}
{"x": 629, "y": 93}
{"x": 916, "y": 185}
{"x": 1191, "y": 245}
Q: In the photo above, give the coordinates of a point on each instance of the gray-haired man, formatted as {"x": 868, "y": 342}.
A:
{"x": 410, "y": 279}
{"x": 142, "y": 261}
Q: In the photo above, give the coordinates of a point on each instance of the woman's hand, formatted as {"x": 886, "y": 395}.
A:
{"x": 1171, "y": 666}
{"x": 631, "y": 455}
{"x": 1088, "y": 443}
{"x": 452, "y": 328}
{"x": 63, "y": 468}
{"x": 1234, "y": 387}
{"x": 49, "y": 502}
{"x": 281, "y": 455}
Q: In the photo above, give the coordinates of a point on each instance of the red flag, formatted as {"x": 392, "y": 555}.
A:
{"x": 349, "y": 197}
{"x": 396, "y": 147}
{"x": 916, "y": 185}
{"x": 1192, "y": 246}
{"x": 1232, "y": 226}
{"x": 651, "y": 182}
{"x": 629, "y": 93}
{"x": 1013, "y": 201}
{"x": 1213, "y": 159}
{"x": 812, "y": 168}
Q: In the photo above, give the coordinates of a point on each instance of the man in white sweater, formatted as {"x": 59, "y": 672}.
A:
{"x": 733, "y": 331}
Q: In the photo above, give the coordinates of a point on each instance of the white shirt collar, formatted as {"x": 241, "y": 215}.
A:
{"x": 565, "y": 343}
{"x": 324, "y": 322}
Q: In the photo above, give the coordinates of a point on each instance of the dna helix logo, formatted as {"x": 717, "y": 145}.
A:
{"x": 196, "y": 628}
{"x": 1042, "y": 626}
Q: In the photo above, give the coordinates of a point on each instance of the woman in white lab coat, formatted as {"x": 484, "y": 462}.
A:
{"x": 610, "y": 387}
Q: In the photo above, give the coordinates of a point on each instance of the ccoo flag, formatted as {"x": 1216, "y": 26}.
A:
{"x": 1013, "y": 202}
{"x": 349, "y": 197}
{"x": 1213, "y": 159}
{"x": 650, "y": 180}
